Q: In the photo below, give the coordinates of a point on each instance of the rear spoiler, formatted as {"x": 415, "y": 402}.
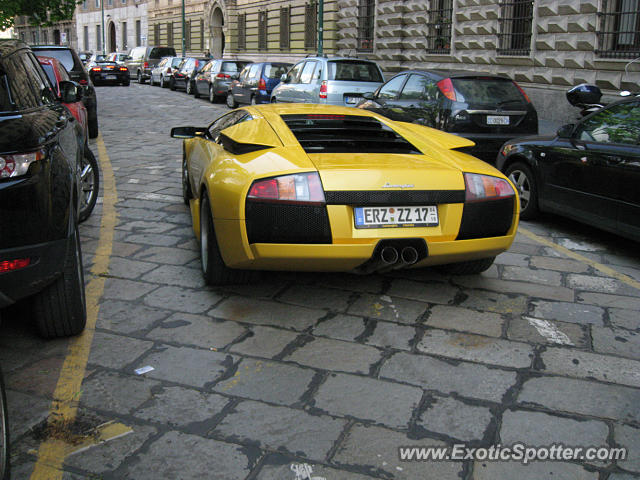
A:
{"x": 442, "y": 139}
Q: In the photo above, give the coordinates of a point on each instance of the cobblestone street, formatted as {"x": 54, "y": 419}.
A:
{"x": 335, "y": 371}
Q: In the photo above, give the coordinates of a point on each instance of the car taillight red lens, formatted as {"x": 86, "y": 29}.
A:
{"x": 223, "y": 75}
{"x": 145, "y": 65}
{"x": 123, "y": 69}
{"x": 18, "y": 164}
{"x": 323, "y": 89}
{"x": 262, "y": 85}
{"x": 297, "y": 188}
{"x": 96, "y": 69}
{"x": 446, "y": 87}
{"x": 526, "y": 97}
{"x": 18, "y": 263}
{"x": 83, "y": 82}
{"x": 485, "y": 187}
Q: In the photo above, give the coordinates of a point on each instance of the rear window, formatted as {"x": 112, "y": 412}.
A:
{"x": 233, "y": 66}
{"x": 489, "y": 91}
{"x": 159, "y": 52}
{"x": 275, "y": 70}
{"x": 320, "y": 133}
{"x": 64, "y": 56}
{"x": 354, "y": 71}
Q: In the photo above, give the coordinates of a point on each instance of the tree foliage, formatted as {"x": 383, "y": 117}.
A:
{"x": 40, "y": 12}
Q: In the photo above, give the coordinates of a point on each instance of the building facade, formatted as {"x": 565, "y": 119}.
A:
{"x": 62, "y": 33}
{"x": 125, "y": 25}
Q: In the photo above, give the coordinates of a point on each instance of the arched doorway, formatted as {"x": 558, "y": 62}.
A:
{"x": 217, "y": 33}
{"x": 112, "y": 37}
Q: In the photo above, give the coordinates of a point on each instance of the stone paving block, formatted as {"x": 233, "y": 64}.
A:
{"x": 265, "y": 342}
{"x": 456, "y": 419}
{"x": 494, "y": 302}
{"x": 524, "y": 329}
{"x": 465, "y": 320}
{"x": 119, "y": 289}
{"x": 576, "y": 363}
{"x": 625, "y": 318}
{"x": 106, "y": 456}
{"x": 25, "y": 412}
{"x": 152, "y": 239}
{"x": 328, "y": 298}
{"x": 182, "y": 299}
{"x": 532, "y": 471}
{"x": 259, "y": 289}
{"x": 187, "y": 366}
{"x": 195, "y": 459}
{"x": 175, "y": 275}
{"x": 368, "y": 399}
{"x": 629, "y": 438}
{"x": 559, "y": 264}
{"x": 289, "y": 470}
{"x": 537, "y": 429}
{"x": 298, "y": 432}
{"x": 139, "y": 214}
{"x": 180, "y": 407}
{"x": 607, "y": 300}
{"x": 198, "y": 330}
{"x": 267, "y": 381}
{"x": 476, "y": 348}
{"x": 568, "y": 312}
{"x": 530, "y": 289}
{"x": 622, "y": 476}
{"x": 350, "y": 282}
{"x": 264, "y": 312}
{"x": 525, "y": 249}
{"x": 466, "y": 379}
{"x": 582, "y": 397}
{"x": 600, "y": 284}
{"x": 128, "y": 317}
{"x": 116, "y": 351}
{"x": 164, "y": 255}
{"x": 122, "y": 249}
{"x": 384, "y": 307}
{"x": 616, "y": 341}
{"x": 37, "y": 378}
{"x": 390, "y": 335}
{"x": 126, "y": 268}
{"x": 526, "y": 274}
{"x": 375, "y": 450}
{"x": 511, "y": 258}
{"x": 329, "y": 354}
{"x": 581, "y": 245}
{"x": 141, "y": 226}
{"x": 341, "y": 327}
{"x": 116, "y": 392}
{"x": 430, "y": 292}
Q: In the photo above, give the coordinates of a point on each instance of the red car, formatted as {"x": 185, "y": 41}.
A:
{"x": 90, "y": 172}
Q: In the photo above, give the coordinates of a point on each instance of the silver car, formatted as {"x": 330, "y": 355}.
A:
{"x": 332, "y": 81}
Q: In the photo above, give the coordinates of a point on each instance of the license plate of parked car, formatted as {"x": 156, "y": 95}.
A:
{"x": 497, "y": 120}
{"x": 112, "y": 77}
{"x": 380, "y": 217}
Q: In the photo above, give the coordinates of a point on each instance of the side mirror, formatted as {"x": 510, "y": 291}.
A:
{"x": 187, "y": 132}
{"x": 70, "y": 92}
{"x": 284, "y": 78}
{"x": 565, "y": 131}
{"x": 368, "y": 95}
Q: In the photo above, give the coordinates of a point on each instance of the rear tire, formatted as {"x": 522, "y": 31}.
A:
{"x": 253, "y": 100}
{"x": 188, "y": 88}
{"x": 60, "y": 308}
{"x": 212, "y": 95}
{"x": 186, "y": 186}
{"x": 196, "y": 94}
{"x": 231, "y": 102}
{"x": 472, "y": 267}
{"x": 90, "y": 183}
{"x": 140, "y": 79}
{"x": 172, "y": 85}
{"x": 162, "y": 85}
{"x": 214, "y": 270}
{"x": 93, "y": 123}
{"x": 4, "y": 433}
{"x": 522, "y": 177}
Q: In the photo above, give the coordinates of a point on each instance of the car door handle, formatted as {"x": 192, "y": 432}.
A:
{"x": 613, "y": 159}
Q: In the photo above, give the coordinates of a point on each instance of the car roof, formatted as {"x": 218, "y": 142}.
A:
{"x": 454, "y": 73}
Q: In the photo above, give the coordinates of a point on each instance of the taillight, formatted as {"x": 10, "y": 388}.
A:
{"x": 485, "y": 187}
{"x": 9, "y": 265}
{"x": 18, "y": 164}
{"x": 169, "y": 70}
{"x": 123, "y": 69}
{"x": 223, "y": 75}
{"x": 526, "y": 97}
{"x": 262, "y": 85}
{"x": 96, "y": 69}
{"x": 83, "y": 82}
{"x": 297, "y": 188}
{"x": 323, "y": 89}
{"x": 446, "y": 87}
{"x": 145, "y": 65}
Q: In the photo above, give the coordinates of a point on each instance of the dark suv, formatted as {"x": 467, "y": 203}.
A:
{"x": 71, "y": 61}
{"x": 488, "y": 109}
{"x": 41, "y": 148}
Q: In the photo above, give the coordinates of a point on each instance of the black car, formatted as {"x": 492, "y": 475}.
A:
{"x": 71, "y": 61}
{"x": 255, "y": 83}
{"x": 589, "y": 171}
{"x": 488, "y": 109}
{"x": 41, "y": 148}
{"x": 184, "y": 76}
{"x": 110, "y": 73}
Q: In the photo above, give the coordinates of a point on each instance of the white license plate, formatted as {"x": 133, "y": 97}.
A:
{"x": 384, "y": 217}
{"x": 351, "y": 99}
{"x": 112, "y": 77}
{"x": 497, "y": 120}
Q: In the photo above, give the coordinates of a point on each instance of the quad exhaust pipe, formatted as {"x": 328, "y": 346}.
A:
{"x": 390, "y": 258}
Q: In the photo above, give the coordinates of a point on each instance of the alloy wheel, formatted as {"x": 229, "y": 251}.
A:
{"x": 521, "y": 181}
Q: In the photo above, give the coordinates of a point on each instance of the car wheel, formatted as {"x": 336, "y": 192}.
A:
{"x": 522, "y": 177}
{"x": 93, "y": 123}
{"x": 162, "y": 85}
{"x": 172, "y": 85}
{"x": 253, "y": 100}
{"x": 90, "y": 184}
{"x": 188, "y": 88}
{"x": 186, "y": 186}
{"x": 212, "y": 96}
{"x": 231, "y": 102}
{"x": 196, "y": 94}
{"x": 471, "y": 267}
{"x": 60, "y": 308}
{"x": 4, "y": 434}
{"x": 274, "y": 100}
{"x": 214, "y": 270}
{"x": 140, "y": 79}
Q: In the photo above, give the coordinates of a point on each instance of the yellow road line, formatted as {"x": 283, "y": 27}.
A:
{"x": 570, "y": 253}
{"x": 64, "y": 408}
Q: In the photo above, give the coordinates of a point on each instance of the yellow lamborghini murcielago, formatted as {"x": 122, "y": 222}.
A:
{"x": 325, "y": 188}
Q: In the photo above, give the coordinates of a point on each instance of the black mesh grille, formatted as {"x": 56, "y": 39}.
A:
{"x": 486, "y": 219}
{"x": 394, "y": 197}
{"x": 281, "y": 223}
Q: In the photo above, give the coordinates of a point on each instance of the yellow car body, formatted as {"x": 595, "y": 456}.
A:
{"x": 222, "y": 162}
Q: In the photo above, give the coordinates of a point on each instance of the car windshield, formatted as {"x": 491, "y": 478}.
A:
{"x": 160, "y": 52}
{"x": 100, "y": 58}
{"x": 63, "y": 56}
{"x": 275, "y": 70}
{"x": 490, "y": 91}
{"x": 354, "y": 71}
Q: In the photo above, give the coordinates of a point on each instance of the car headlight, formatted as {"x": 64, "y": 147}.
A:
{"x": 485, "y": 187}
{"x": 297, "y": 188}
{"x": 18, "y": 164}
